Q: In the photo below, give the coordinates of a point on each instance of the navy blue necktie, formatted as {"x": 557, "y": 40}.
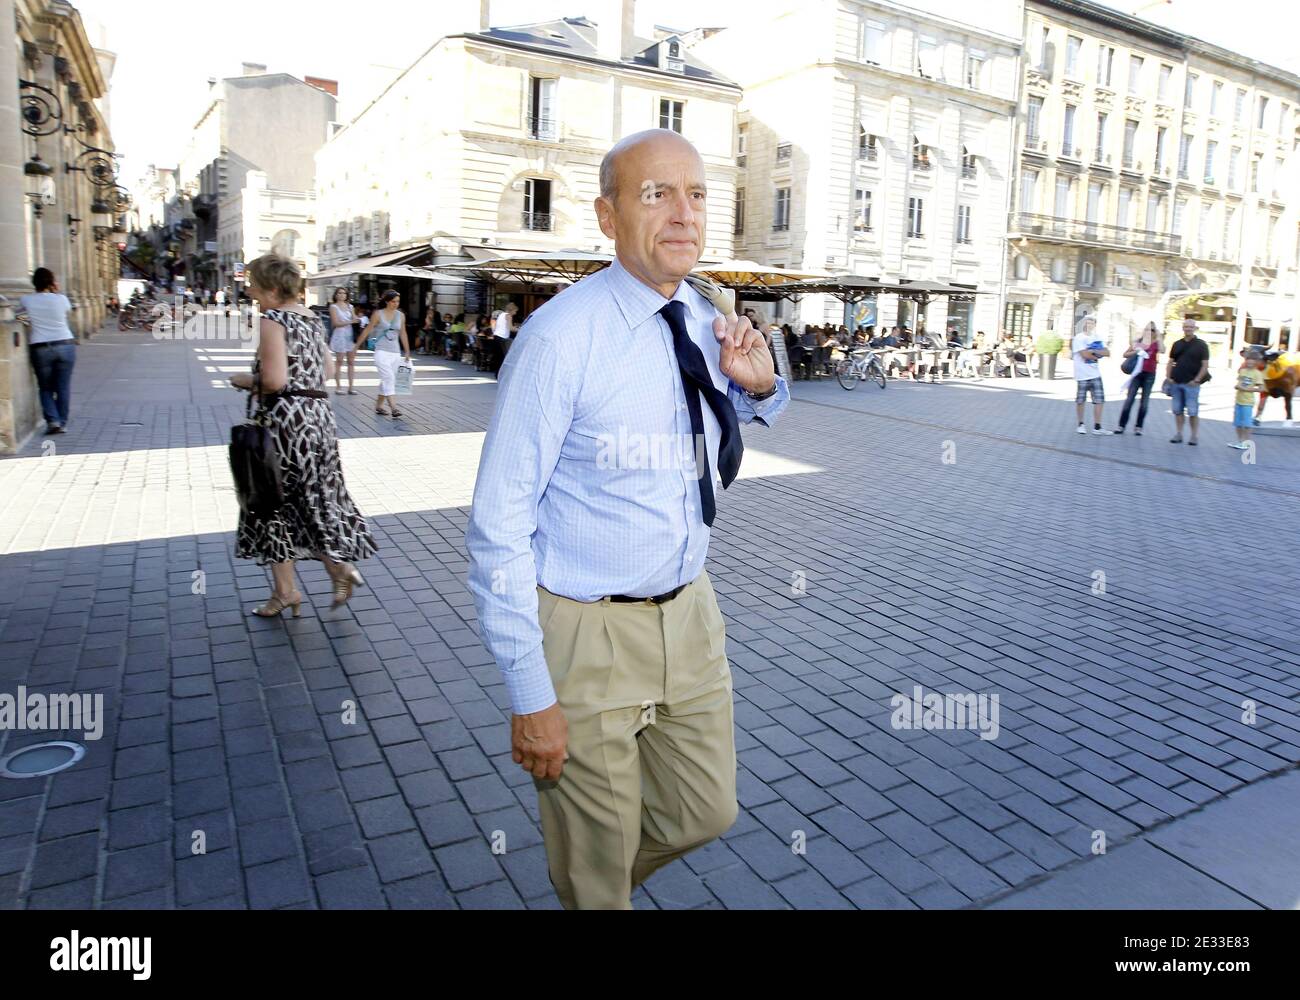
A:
{"x": 696, "y": 382}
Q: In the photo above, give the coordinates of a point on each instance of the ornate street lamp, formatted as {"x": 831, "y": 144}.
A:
{"x": 42, "y": 111}
{"x": 40, "y": 183}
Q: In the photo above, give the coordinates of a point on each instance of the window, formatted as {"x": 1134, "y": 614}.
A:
{"x": 873, "y": 43}
{"x": 1229, "y": 215}
{"x": 1105, "y": 65}
{"x": 1283, "y": 113}
{"x": 920, "y": 155}
{"x": 1254, "y": 173}
{"x": 1162, "y": 134}
{"x": 866, "y": 145}
{"x": 862, "y": 210}
{"x": 1022, "y": 267}
{"x": 1087, "y": 274}
{"x": 1233, "y": 159}
{"x": 1263, "y": 111}
{"x": 742, "y": 145}
{"x": 1184, "y": 156}
{"x": 537, "y": 205}
{"x": 1072, "y": 47}
{"x": 967, "y": 164}
{"x": 1277, "y": 177}
{"x": 739, "y": 226}
{"x": 1211, "y": 147}
{"x": 1155, "y": 212}
{"x": 783, "y": 152}
{"x": 1095, "y": 198}
{"x": 1130, "y": 142}
{"x": 1216, "y": 98}
{"x": 670, "y": 114}
{"x": 1067, "y": 133}
{"x": 1029, "y": 191}
{"x": 1180, "y": 209}
{"x": 963, "y": 224}
{"x": 541, "y": 108}
{"x": 1162, "y": 82}
{"x": 975, "y": 69}
{"x": 1134, "y": 73}
{"x": 929, "y": 60}
{"x": 781, "y": 217}
{"x": 1100, "y": 145}
{"x": 1018, "y": 319}
{"x": 1060, "y": 269}
{"x": 1124, "y": 208}
{"x": 1203, "y": 231}
{"x": 1189, "y": 91}
{"x": 1064, "y": 185}
{"x": 1032, "y": 120}
{"x": 1239, "y": 109}
{"x": 915, "y": 208}
{"x": 1044, "y": 49}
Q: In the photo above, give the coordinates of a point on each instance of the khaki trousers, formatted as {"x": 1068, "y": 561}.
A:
{"x": 651, "y": 774}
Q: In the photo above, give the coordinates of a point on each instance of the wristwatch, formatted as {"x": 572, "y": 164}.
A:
{"x": 759, "y": 397}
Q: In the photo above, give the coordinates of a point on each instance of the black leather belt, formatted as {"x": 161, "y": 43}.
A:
{"x": 658, "y": 599}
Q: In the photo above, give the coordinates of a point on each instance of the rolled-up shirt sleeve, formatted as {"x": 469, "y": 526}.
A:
{"x": 533, "y": 412}
{"x": 765, "y": 411}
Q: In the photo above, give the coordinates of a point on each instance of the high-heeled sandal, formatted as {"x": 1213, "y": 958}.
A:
{"x": 395, "y": 412}
{"x": 276, "y": 605}
{"x": 343, "y": 584}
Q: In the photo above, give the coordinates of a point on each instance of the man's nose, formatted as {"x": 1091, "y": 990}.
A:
{"x": 682, "y": 212}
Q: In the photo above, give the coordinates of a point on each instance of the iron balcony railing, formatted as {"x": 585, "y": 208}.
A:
{"x": 1082, "y": 231}
{"x": 538, "y": 222}
{"x": 542, "y": 127}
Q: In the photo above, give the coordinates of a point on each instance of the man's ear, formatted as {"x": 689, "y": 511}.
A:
{"x": 605, "y": 216}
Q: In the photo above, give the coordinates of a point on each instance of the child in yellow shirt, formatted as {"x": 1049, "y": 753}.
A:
{"x": 1250, "y": 381}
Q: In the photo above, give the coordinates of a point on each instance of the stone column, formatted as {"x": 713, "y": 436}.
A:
{"x": 18, "y": 409}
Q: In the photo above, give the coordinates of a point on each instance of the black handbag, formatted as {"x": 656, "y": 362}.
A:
{"x": 1129, "y": 364}
{"x": 255, "y": 462}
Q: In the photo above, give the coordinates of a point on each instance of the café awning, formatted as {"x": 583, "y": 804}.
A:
{"x": 565, "y": 265}
{"x": 367, "y": 265}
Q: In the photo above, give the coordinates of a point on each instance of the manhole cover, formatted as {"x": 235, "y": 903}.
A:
{"x": 41, "y": 759}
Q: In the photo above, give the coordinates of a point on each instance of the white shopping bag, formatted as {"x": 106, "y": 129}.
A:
{"x": 405, "y": 379}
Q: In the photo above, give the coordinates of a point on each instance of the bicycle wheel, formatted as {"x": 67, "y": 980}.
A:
{"x": 876, "y": 373}
{"x": 845, "y": 373}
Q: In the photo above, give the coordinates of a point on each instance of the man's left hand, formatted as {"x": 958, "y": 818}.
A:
{"x": 745, "y": 358}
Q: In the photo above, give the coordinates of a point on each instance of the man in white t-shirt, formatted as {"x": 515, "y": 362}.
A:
{"x": 1087, "y": 349}
{"x": 501, "y": 336}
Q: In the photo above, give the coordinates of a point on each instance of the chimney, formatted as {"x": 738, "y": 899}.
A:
{"x": 252, "y": 69}
{"x": 615, "y": 28}
{"x": 329, "y": 86}
{"x": 484, "y": 14}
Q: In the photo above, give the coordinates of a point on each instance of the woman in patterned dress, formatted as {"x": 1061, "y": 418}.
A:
{"x": 318, "y": 519}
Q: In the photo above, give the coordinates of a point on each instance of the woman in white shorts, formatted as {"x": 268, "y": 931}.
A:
{"x": 388, "y": 327}
{"x": 341, "y": 339}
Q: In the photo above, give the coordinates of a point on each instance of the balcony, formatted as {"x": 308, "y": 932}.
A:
{"x": 1058, "y": 229}
{"x": 968, "y": 172}
{"x": 780, "y": 227}
{"x": 868, "y": 153}
{"x": 537, "y": 222}
{"x": 920, "y": 163}
{"x": 543, "y": 127}
{"x": 783, "y": 152}
{"x": 741, "y": 159}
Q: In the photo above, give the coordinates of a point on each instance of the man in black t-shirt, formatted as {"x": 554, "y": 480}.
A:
{"x": 1189, "y": 362}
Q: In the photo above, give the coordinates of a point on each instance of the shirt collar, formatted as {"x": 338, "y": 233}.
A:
{"x": 639, "y": 302}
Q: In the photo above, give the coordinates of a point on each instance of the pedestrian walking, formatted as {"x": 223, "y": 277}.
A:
{"x": 1187, "y": 371}
{"x": 388, "y": 326}
{"x": 343, "y": 342}
{"x": 1250, "y": 383}
{"x": 501, "y": 336}
{"x": 318, "y": 519}
{"x": 51, "y": 347}
{"x": 1087, "y": 351}
{"x": 1145, "y": 353}
{"x": 589, "y": 580}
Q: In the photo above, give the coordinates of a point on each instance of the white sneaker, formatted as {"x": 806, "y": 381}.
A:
{"x": 1081, "y": 429}
{"x": 1239, "y": 445}
{"x": 1098, "y": 430}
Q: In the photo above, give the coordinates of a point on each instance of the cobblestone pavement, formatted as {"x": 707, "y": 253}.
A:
{"x": 1119, "y": 595}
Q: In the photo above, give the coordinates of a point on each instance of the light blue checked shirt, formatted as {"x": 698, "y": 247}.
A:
{"x": 577, "y": 487}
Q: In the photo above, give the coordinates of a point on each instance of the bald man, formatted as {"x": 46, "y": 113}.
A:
{"x": 617, "y": 418}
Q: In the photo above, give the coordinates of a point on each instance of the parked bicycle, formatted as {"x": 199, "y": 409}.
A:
{"x": 863, "y": 365}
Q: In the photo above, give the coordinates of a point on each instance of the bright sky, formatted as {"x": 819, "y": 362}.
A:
{"x": 167, "y": 50}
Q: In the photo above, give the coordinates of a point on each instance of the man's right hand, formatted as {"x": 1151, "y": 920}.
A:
{"x": 539, "y": 742}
